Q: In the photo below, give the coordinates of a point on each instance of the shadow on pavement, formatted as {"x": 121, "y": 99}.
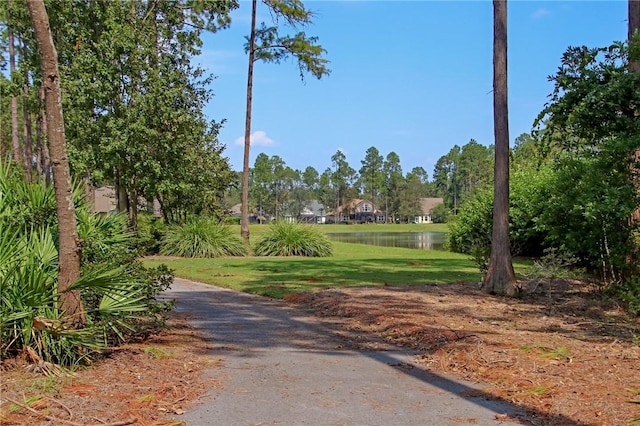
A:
{"x": 244, "y": 325}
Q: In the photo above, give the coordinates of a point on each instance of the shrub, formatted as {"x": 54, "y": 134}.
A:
{"x": 440, "y": 214}
{"x": 202, "y": 237}
{"x": 293, "y": 239}
{"x": 529, "y": 195}
{"x": 151, "y": 231}
{"x": 629, "y": 293}
{"x": 117, "y": 292}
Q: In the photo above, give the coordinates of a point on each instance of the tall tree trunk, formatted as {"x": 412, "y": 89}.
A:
{"x": 69, "y": 250}
{"x": 46, "y": 157}
{"x": 133, "y": 210}
{"x": 122, "y": 199}
{"x": 244, "y": 225}
{"x": 15, "y": 137}
{"x": 28, "y": 134}
{"x": 39, "y": 143}
{"x": 500, "y": 278}
{"x": 634, "y": 67}
{"x": 634, "y": 24}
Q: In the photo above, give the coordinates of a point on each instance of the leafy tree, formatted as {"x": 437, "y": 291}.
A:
{"x": 461, "y": 172}
{"x": 474, "y": 168}
{"x": 342, "y": 178}
{"x": 500, "y": 277}
{"x": 136, "y": 119}
{"x": 592, "y": 128}
{"x": 446, "y": 178}
{"x": 421, "y": 174}
{"x": 393, "y": 182}
{"x": 439, "y": 214}
{"x": 266, "y": 44}
{"x": 526, "y": 150}
{"x": 326, "y": 192}
{"x": 409, "y": 197}
{"x": 295, "y": 196}
{"x": 310, "y": 178}
{"x": 261, "y": 182}
{"x": 372, "y": 174}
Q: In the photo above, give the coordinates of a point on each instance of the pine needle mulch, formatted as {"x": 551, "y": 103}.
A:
{"x": 560, "y": 353}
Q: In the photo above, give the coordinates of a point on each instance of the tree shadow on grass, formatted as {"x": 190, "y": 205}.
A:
{"x": 328, "y": 272}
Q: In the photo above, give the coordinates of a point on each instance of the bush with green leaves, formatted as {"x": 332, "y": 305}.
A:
{"x": 202, "y": 237}
{"x": 151, "y": 231}
{"x": 440, "y": 214}
{"x": 629, "y": 293}
{"x": 293, "y": 239}
{"x": 117, "y": 292}
{"x": 588, "y": 214}
{"x": 470, "y": 232}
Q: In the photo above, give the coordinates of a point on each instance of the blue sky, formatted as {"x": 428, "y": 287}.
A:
{"x": 413, "y": 77}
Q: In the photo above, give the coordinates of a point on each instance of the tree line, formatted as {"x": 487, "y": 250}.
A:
{"x": 132, "y": 99}
{"x": 278, "y": 190}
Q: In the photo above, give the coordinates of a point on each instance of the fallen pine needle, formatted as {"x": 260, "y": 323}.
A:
{"x": 67, "y": 422}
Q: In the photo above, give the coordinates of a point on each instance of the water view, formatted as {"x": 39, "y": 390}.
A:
{"x": 416, "y": 240}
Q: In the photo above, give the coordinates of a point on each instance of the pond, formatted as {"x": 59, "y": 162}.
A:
{"x": 416, "y": 240}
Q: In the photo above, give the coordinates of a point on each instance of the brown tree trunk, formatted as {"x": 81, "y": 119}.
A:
{"x": 133, "y": 210}
{"x": 634, "y": 24}
{"x": 39, "y": 143}
{"x": 500, "y": 277}
{"x": 44, "y": 143}
{"x": 634, "y": 67}
{"x": 122, "y": 199}
{"x": 244, "y": 222}
{"x": 69, "y": 250}
{"x": 28, "y": 135}
{"x": 15, "y": 137}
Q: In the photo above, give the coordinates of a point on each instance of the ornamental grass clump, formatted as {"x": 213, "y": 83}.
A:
{"x": 202, "y": 237}
{"x": 293, "y": 239}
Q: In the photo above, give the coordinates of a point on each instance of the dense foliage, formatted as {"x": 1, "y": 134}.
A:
{"x": 133, "y": 101}
{"x": 293, "y": 239}
{"x": 574, "y": 187}
{"x": 118, "y": 292}
{"x": 529, "y": 193}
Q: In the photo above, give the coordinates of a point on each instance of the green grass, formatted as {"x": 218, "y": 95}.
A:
{"x": 352, "y": 265}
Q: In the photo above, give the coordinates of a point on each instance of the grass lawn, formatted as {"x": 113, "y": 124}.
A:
{"x": 351, "y": 265}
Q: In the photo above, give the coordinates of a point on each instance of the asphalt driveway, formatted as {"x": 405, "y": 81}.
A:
{"x": 284, "y": 367}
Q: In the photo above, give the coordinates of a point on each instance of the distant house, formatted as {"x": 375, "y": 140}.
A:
{"x": 426, "y": 206}
{"x": 358, "y": 210}
{"x": 254, "y": 217}
{"x": 104, "y": 201}
{"x": 312, "y": 212}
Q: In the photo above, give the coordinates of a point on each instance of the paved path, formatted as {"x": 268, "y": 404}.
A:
{"x": 284, "y": 368}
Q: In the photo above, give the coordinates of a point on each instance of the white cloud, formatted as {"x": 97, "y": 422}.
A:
{"x": 258, "y": 138}
{"x": 540, "y": 13}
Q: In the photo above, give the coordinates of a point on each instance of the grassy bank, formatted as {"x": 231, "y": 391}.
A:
{"x": 351, "y": 265}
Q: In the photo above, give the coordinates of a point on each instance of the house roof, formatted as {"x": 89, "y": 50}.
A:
{"x": 353, "y": 204}
{"x": 427, "y": 204}
{"x": 236, "y": 210}
{"x": 315, "y": 208}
